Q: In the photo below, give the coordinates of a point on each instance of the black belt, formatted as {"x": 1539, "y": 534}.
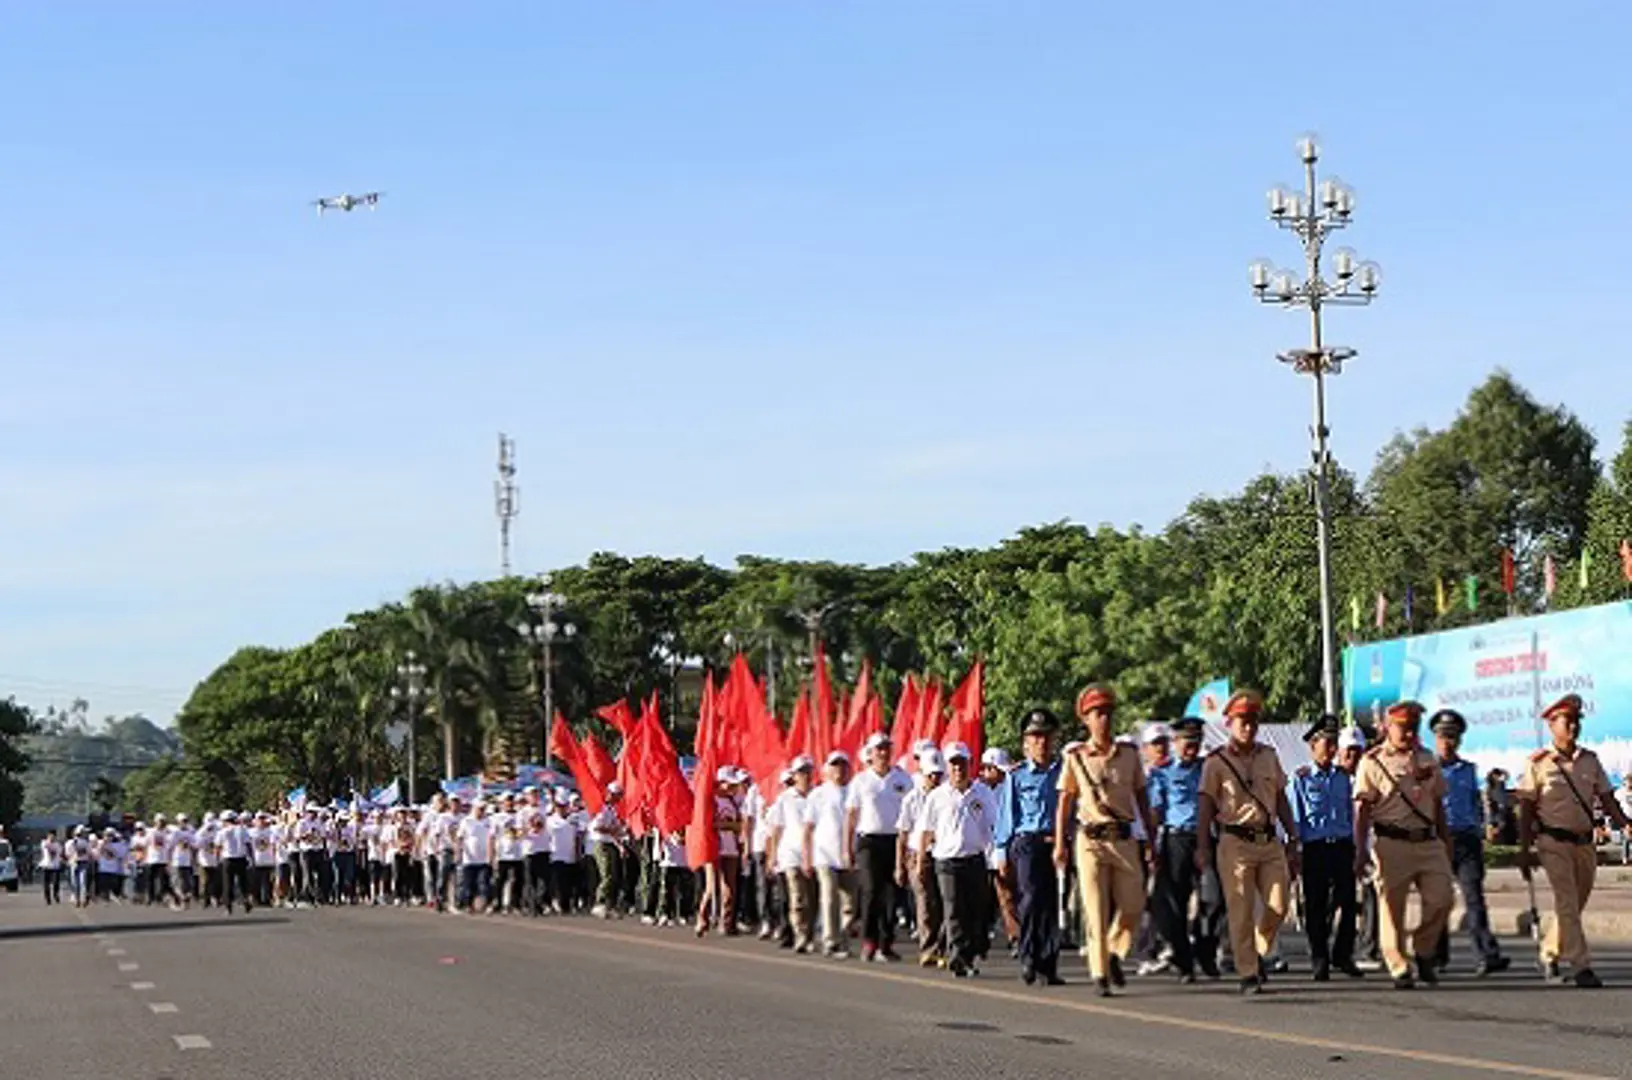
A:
{"x": 1394, "y": 832}
{"x": 1108, "y": 830}
{"x": 1250, "y": 833}
{"x": 1565, "y": 836}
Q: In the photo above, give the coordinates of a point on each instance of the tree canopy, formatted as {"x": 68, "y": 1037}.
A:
{"x": 1228, "y": 589}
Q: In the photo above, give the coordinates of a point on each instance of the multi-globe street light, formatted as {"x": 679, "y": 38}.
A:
{"x": 1312, "y": 215}
{"x": 410, "y": 691}
{"x": 544, "y": 631}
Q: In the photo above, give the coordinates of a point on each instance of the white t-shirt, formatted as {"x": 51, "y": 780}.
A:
{"x": 50, "y": 854}
{"x": 911, "y": 820}
{"x": 825, "y": 810}
{"x": 790, "y": 813}
{"x": 158, "y": 847}
{"x": 507, "y": 826}
{"x": 605, "y": 827}
{"x": 673, "y": 851}
{"x": 877, "y": 800}
{"x": 561, "y": 832}
{"x": 962, "y": 821}
{"x": 181, "y": 847}
{"x": 728, "y": 813}
{"x": 473, "y": 836}
{"x": 263, "y": 845}
{"x": 111, "y": 856}
{"x": 205, "y": 838}
{"x": 79, "y": 850}
{"x": 754, "y": 806}
{"x": 234, "y": 842}
{"x": 535, "y": 837}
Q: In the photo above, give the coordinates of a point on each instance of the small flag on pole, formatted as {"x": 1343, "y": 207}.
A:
{"x": 1382, "y": 609}
{"x": 1439, "y": 596}
{"x": 1507, "y": 571}
{"x": 1626, "y": 559}
{"x": 1354, "y": 613}
{"x": 1473, "y": 592}
{"x": 1410, "y": 605}
{"x": 1549, "y": 578}
{"x": 1586, "y": 569}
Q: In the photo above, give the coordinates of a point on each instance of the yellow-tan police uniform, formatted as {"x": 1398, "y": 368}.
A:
{"x": 1106, "y": 784}
{"x": 1405, "y": 790}
{"x": 1556, "y": 787}
{"x": 1252, "y": 868}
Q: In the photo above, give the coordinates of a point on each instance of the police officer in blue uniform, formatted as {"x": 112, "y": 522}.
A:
{"x": 1322, "y": 798}
{"x": 1025, "y": 830}
{"x": 1465, "y": 816}
{"x": 1175, "y": 800}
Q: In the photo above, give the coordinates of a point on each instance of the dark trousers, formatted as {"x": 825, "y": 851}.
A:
{"x": 564, "y": 885}
{"x": 1193, "y": 940}
{"x": 1328, "y": 896}
{"x": 237, "y": 877}
{"x": 538, "y": 881}
{"x": 345, "y": 872}
{"x": 875, "y": 894}
{"x": 1037, "y": 903}
{"x": 260, "y": 878}
{"x": 1468, "y": 864}
{"x": 53, "y": 885}
{"x": 965, "y": 890}
{"x": 508, "y": 888}
{"x": 311, "y": 862}
{"x": 158, "y": 884}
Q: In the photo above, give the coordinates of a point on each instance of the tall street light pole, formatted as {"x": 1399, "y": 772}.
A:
{"x": 1312, "y": 215}
{"x": 411, "y": 691}
{"x": 544, "y": 631}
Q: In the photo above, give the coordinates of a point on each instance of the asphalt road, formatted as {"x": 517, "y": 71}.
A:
{"x": 361, "y": 993}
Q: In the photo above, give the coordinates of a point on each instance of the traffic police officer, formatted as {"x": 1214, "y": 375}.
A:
{"x": 1557, "y": 793}
{"x": 1465, "y": 817}
{"x": 1323, "y": 807}
{"x": 1102, "y": 793}
{"x": 1400, "y": 796}
{"x": 1243, "y": 789}
{"x": 1175, "y": 800}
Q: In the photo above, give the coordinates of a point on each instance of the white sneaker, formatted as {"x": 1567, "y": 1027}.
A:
{"x": 647, "y": 920}
{"x": 598, "y": 911}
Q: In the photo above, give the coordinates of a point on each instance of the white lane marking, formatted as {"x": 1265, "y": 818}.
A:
{"x": 130, "y": 967}
{"x": 191, "y": 1042}
{"x": 143, "y": 985}
{"x": 162, "y": 1007}
{"x": 116, "y": 952}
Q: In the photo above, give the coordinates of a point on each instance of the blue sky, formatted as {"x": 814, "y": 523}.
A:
{"x": 845, "y": 280}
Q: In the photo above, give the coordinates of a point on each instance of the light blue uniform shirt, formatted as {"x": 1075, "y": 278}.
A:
{"x": 1322, "y": 804}
{"x": 1175, "y": 794}
{"x": 1464, "y": 799}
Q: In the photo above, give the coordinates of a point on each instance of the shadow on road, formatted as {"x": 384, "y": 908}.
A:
{"x": 18, "y": 933}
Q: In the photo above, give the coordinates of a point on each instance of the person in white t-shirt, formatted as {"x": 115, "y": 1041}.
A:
{"x": 475, "y": 837}
{"x": 790, "y": 820}
{"x": 872, "y": 811}
{"x": 535, "y": 850}
{"x": 209, "y": 860}
{"x": 758, "y": 879}
{"x": 79, "y": 853}
{"x": 50, "y": 867}
{"x": 674, "y": 879}
{"x": 914, "y": 864}
{"x": 829, "y": 853}
{"x": 718, "y": 904}
{"x": 183, "y": 852}
{"x": 233, "y": 840}
{"x": 263, "y": 833}
{"x": 156, "y": 863}
{"x": 510, "y": 850}
{"x": 564, "y": 835}
{"x": 608, "y": 834}
{"x": 962, "y": 814}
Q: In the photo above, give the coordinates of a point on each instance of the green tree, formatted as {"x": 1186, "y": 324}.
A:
{"x": 16, "y": 722}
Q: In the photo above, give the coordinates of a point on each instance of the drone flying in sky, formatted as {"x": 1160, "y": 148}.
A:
{"x": 348, "y": 203}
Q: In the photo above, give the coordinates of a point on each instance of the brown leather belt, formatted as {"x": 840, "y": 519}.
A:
{"x": 1108, "y": 830}
{"x": 1410, "y": 836}
{"x": 1251, "y": 833}
{"x": 1565, "y": 836}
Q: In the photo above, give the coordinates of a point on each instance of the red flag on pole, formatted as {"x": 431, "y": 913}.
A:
{"x": 968, "y": 724}
{"x": 1507, "y": 571}
{"x": 904, "y": 730}
{"x": 600, "y": 763}
{"x": 1549, "y": 577}
{"x": 1382, "y": 609}
{"x": 565, "y": 747}
{"x": 702, "y": 839}
{"x": 821, "y": 725}
{"x": 1626, "y": 559}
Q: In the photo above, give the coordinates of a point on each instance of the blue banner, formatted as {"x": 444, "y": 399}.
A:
{"x": 1500, "y": 675}
{"x": 1208, "y": 702}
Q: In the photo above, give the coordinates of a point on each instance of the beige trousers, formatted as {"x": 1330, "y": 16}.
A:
{"x": 1571, "y": 870}
{"x": 1109, "y": 876}
{"x": 1255, "y": 880}
{"x": 1402, "y": 865}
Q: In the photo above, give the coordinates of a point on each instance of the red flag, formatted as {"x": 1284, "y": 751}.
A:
{"x": 1549, "y": 577}
{"x": 931, "y": 718}
{"x": 1507, "y": 571}
{"x": 1626, "y": 559}
{"x": 968, "y": 724}
{"x": 854, "y": 727}
{"x": 799, "y": 733}
{"x": 630, "y": 766}
{"x": 1382, "y": 610}
{"x": 600, "y": 763}
{"x": 764, "y": 754}
{"x": 667, "y": 795}
{"x": 905, "y": 728}
{"x": 702, "y": 838}
{"x": 565, "y": 747}
{"x": 619, "y": 716}
{"x": 821, "y": 725}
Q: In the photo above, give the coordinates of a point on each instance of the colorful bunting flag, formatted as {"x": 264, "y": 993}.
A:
{"x": 1586, "y": 569}
{"x": 1439, "y": 596}
{"x": 1626, "y": 559}
{"x": 1382, "y": 609}
{"x": 1549, "y": 578}
{"x": 1354, "y": 613}
{"x": 1507, "y": 571}
{"x": 1473, "y": 592}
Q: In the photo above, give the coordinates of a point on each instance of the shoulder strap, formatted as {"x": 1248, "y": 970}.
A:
{"x": 1098, "y": 792}
{"x": 1564, "y": 774}
{"x": 1224, "y": 760}
{"x": 1395, "y": 785}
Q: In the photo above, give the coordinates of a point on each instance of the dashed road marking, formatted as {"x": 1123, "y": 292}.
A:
{"x": 116, "y": 952}
{"x": 162, "y": 1007}
{"x": 191, "y": 1042}
{"x": 143, "y": 985}
{"x": 130, "y": 967}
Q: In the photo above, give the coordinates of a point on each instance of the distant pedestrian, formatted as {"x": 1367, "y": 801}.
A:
{"x": 1464, "y": 816}
{"x": 50, "y": 866}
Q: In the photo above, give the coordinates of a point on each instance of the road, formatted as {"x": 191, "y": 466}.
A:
{"x": 156, "y": 995}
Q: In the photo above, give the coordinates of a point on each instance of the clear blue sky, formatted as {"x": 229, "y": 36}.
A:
{"x": 821, "y": 279}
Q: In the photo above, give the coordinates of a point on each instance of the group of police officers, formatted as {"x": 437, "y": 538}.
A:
{"x": 1199, "y": 852}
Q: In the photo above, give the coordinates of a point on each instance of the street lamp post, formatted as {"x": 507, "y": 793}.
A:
{"x": 1312, "y": 215}
{"x": 411, "y": 691}
{"x": 544, "y": 631}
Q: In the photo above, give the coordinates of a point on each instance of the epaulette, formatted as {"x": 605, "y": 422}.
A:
{"x": 1303, "y": 771}
{"x": 1539, "y": 756}
{"x": 1375, "y": 751}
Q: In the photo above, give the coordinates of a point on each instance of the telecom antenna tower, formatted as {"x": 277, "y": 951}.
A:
{"x": 506, "y": 498}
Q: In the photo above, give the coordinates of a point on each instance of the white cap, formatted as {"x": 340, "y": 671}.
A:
{"x": 1155, "y": 732}
{"x": 803, "y": 761}
{"x": 1351, "y": 737}
{"x": 614, "y": 788}
{"x": 838, "y": 757}
{"x": 874, "y": 741}
{"x": 931, "y": 761}
{"x": 995, "y": 755}
{"x": 920, "y": 745}
{"x": 786, "y": 776}
{"x": 530, "y": 789}
{"x": 953, "y": 750}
